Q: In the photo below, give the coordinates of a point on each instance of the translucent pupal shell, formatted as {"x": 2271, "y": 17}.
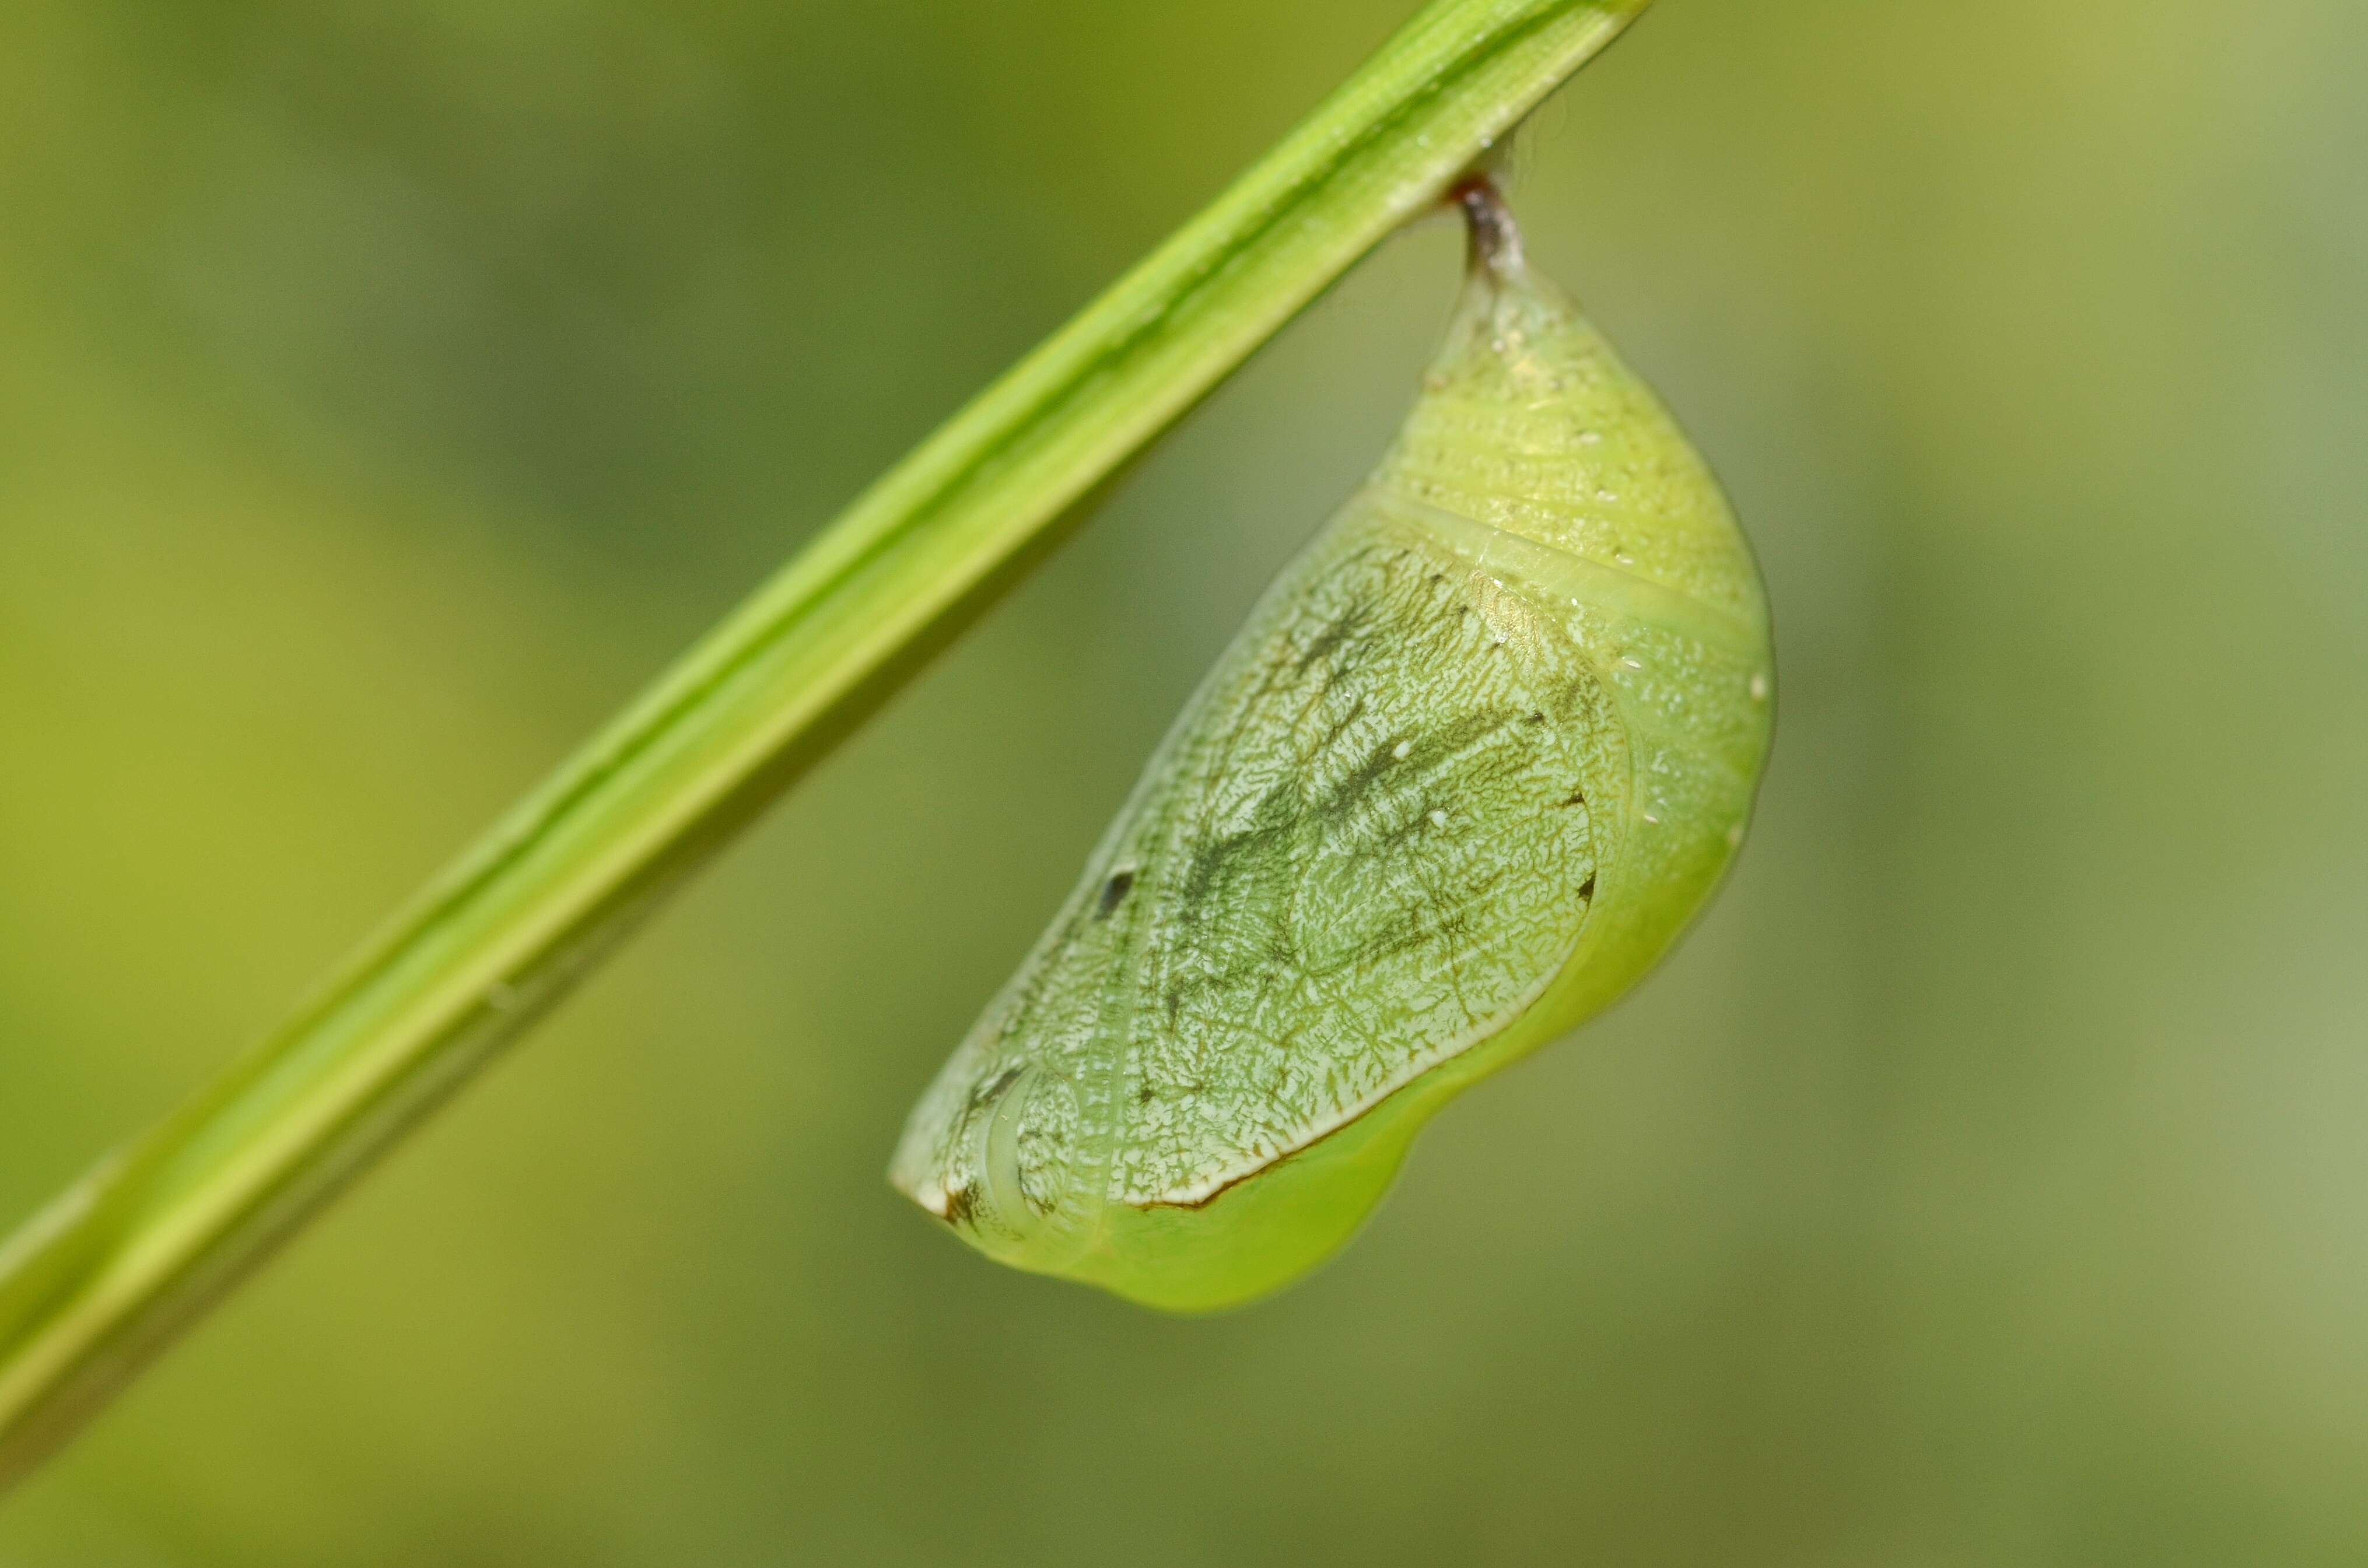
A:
{"x": 1474, "y": 761}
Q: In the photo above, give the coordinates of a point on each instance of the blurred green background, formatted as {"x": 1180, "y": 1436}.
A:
{"x": 386, "y": 391}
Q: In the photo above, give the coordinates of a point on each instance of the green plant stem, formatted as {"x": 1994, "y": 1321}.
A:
{"x": 107, "y": 1274}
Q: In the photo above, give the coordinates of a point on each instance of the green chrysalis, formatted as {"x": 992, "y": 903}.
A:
{"x": 1477, "y": 757}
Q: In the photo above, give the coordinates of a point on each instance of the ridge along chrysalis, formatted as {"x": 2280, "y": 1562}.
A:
{"x": 1477, "y": 757}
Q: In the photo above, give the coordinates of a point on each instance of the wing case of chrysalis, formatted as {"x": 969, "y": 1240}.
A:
{"x": 1477, "y": 757}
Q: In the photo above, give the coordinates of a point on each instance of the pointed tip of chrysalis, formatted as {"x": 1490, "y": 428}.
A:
{"x": 1494, "y": 240}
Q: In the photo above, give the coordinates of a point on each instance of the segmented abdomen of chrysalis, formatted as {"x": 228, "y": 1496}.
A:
{"x": 1476, "y": 758}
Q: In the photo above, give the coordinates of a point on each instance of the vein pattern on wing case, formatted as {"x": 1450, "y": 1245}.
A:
{"x": 1476, "y": 758}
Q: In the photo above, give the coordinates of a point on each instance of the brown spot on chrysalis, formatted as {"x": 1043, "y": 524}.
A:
{"x": 1114, "y": 892}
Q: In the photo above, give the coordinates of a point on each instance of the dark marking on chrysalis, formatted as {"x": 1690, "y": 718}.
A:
{"x": 993, "y": 1086}
{"x": 1114, "y": 892}
{"x": 1331, "y": 638}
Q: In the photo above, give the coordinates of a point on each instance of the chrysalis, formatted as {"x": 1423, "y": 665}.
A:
{"x": 1479, "y": 754}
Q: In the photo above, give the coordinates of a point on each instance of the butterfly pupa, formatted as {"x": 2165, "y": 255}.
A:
{"x": 1476, "y": 758}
